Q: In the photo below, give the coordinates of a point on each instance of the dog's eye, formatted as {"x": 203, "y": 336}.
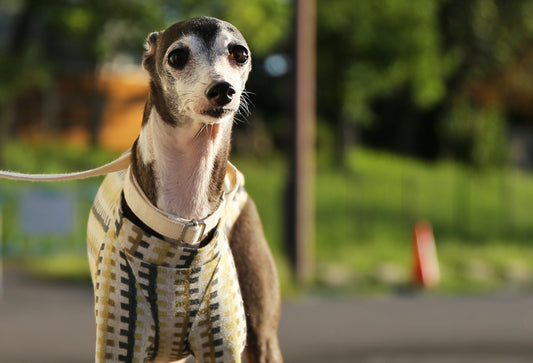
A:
{"x": 239, "y": 54}
{"x": 178, "y": 58}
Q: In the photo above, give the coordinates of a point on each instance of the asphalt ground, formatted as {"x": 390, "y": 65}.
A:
{"x": 51, "y": 322}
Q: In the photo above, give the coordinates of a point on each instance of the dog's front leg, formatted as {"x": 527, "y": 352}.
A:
{"x": 259, "y": 284}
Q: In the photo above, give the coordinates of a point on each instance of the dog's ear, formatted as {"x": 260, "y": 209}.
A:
{"x": 150, "y": 47}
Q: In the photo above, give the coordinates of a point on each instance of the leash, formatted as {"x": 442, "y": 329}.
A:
{"x": 121, "y": 163}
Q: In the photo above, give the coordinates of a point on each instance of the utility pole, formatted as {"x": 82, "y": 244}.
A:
{"x": 301, "y": 226}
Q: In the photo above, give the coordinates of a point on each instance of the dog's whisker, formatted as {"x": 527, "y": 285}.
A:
{"x": 238, "y": 120}
{"x": 243, "y": 110}
{"x": 204, "y": 126}
{"x": 248, "y": 93}
{"x": 246, "y": 102}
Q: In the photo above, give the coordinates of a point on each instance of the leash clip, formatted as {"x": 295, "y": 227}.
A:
{"x": 193, "y": 232}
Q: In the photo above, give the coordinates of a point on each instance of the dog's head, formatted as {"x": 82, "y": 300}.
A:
{"x": 198, "y": 70}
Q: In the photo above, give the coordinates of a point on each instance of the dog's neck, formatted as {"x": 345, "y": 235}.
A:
{"x": 181, "y": 169}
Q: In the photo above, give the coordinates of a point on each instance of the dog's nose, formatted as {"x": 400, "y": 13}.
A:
{"x": 220, "y": 93}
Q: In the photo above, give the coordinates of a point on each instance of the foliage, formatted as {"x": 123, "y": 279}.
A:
{"x": 53, "y": 157}
{"x": 417, "y": 58}
{"x": 476, "y": 136}
{"x": 42, "y": 31}
{"x": 376, "y": 48}
{"x": 373, "y": 48}
{"x": 486, "y": 33}
{"x": 106, "y": 26}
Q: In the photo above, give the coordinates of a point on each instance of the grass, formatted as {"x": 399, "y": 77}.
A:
{"x": 64, "y": 267}
{"x": 364, "y": 219}
{"x": 479, "y": 218}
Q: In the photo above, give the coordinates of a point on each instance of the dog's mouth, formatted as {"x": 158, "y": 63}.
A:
{"x": 217, "y": 112}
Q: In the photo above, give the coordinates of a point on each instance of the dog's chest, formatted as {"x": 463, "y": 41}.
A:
{"x": 159, "y": 302}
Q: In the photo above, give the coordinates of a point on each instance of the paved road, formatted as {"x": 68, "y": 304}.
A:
{"x": 43, "y": 322}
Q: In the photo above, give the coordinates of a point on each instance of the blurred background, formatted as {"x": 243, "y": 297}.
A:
{"x": 424, "y": 111}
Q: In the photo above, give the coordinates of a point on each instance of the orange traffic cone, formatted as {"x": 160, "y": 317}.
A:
{"x": 426, "y": 265}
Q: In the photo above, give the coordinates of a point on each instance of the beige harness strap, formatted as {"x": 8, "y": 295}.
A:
{"x": 121, "y": 163}
{"x": 190, "y": 232}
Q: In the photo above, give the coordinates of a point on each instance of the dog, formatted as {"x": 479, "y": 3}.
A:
{"x": 174, "y": 241}
{"x": 179, "y": 261}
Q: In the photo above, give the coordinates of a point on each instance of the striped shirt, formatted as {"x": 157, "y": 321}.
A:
{"x": 156, "y": 301}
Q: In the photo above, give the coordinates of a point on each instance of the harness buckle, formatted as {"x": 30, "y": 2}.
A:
{"x": 193, "y": 232}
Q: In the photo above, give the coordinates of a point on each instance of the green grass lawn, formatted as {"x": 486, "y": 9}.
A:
{"x": 364, "y": 219}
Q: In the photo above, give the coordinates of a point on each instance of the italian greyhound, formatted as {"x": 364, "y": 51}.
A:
{"x": 179, "y": 261}
{"x": 179, "y": 169}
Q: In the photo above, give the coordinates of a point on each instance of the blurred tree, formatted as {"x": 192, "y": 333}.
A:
{"x": 46, "y": 35}
{"x": 490, "y": 37}
{"x": 475, "y": 136}
{"x": 396, "y": 67}
{"x": 58, "y": 37}
{"x": 485, "y": 34}
{"x": 371, "y": 49}
{"x": 45, "y": 39}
